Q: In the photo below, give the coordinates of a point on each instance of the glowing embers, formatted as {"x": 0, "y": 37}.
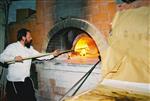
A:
{"x": 85, "y": 50}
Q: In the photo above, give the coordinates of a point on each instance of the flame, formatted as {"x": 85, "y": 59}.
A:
{"x": 81, "y": 47}
{"x": 85, "y": 46}
{"x": 85, "y": 50}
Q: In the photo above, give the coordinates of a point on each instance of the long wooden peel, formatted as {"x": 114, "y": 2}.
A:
{"x": 38, "y": 56}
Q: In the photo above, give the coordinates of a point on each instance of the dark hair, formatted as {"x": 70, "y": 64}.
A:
{"x": 22, "y": 32}
{"x": 128, "y": 1}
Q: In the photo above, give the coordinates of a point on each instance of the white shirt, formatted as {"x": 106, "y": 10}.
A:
{"x": 19, "y": 70}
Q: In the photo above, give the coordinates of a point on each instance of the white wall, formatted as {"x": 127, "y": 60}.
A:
{"x": 55, "y": 80}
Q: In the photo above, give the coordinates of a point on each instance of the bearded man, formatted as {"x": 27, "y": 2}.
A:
{"x": 19, "y": 85}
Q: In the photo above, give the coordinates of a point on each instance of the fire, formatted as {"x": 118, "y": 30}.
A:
{"x": 85, "y": 46}
{"x": 85, "y": 51}
{"x": 81, "y": 47}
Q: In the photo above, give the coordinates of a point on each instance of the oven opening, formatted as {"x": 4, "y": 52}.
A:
{"x": 84, "y": 46}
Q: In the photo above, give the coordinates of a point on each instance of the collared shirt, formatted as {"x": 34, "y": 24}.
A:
{"x": 19, "y": 70}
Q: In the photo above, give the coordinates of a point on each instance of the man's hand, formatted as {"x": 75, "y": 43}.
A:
{"x": 18, "y": 59}
{"x": 56, "y": 52}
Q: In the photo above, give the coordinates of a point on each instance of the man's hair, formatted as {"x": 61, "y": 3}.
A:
{"x": 128, "y": 1}
{"x": 22, "y": 32}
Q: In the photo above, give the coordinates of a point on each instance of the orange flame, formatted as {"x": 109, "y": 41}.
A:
{"x": 85, "y": 46}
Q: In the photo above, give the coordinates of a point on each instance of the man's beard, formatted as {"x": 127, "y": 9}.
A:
{"x": 28, "y": 44}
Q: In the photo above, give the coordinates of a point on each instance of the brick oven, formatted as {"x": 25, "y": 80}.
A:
{"x": 67, "y": 69}
{"x": 81, "y": 25}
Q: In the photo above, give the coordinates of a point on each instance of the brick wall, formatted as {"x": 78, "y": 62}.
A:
{"x": 49, "y": 12}
{"x": 101, "y": 13}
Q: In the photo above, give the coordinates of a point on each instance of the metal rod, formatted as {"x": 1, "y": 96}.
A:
{"x": 61, "y": 99}
{"x": 85, "y": 78}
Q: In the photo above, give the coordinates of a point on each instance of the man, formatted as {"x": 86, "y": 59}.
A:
{"x": 19, "y": 85}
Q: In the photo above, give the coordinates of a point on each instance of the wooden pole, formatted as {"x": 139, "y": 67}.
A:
{"x": 37, "y": 56}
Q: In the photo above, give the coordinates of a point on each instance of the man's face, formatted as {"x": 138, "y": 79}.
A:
{"x": 28, "y": 40}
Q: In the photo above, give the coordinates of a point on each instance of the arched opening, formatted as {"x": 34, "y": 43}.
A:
{"x": 65, "y": 33}
{"x": 85, "y": 48}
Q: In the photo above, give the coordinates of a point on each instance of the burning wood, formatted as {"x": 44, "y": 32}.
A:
{"x": 84, "y": 47}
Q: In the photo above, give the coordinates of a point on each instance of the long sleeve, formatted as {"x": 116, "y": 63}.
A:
{"x": 36, "y": 53}
{"x": 7, "y": 55}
